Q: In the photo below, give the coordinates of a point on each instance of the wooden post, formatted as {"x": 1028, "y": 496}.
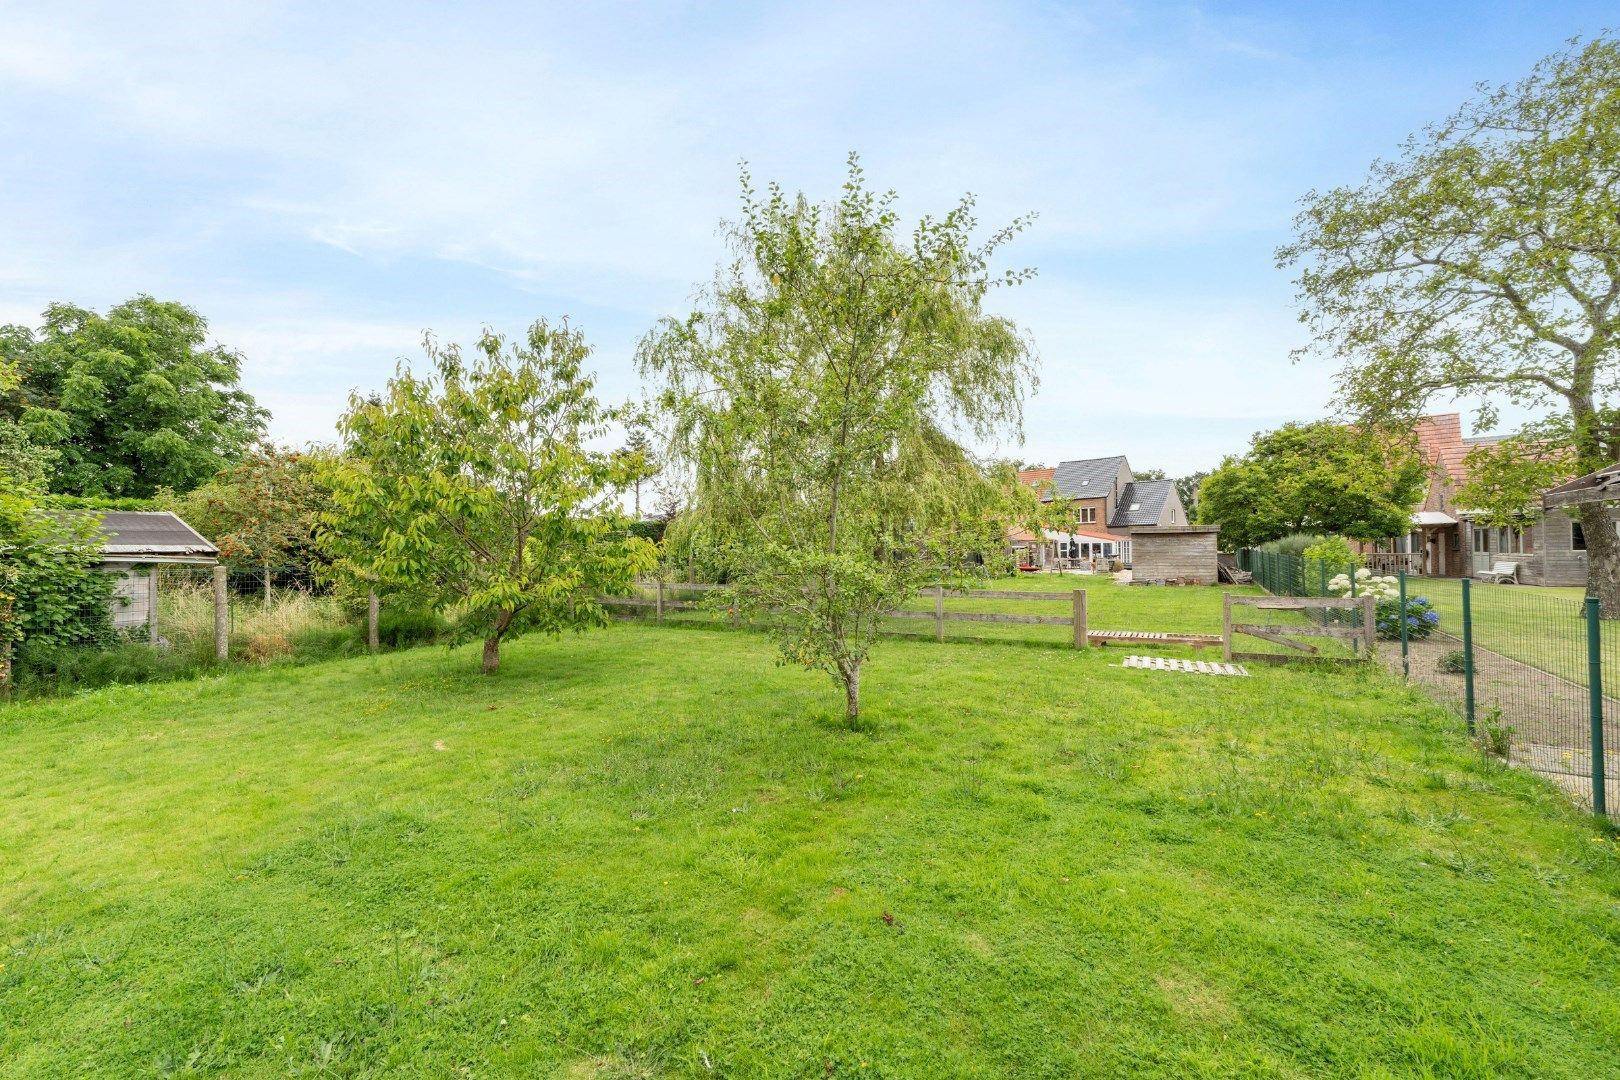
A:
{"x": 222, "y": 616}
{"x": 373, "y": 617}
{"x": 939, "y": 613}
{"x": 1082, "y": 637}
{"x": 152, "y": 605}
{"x": 660, "y": 598}
{"x": 8, "y": 578}
{"x": 1369, "y": 621}
{"x": 1226, "y": 627}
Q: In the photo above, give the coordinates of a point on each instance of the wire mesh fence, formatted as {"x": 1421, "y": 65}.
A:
{"x": 1534, "y": 673}
{"x": 267, "y": 612}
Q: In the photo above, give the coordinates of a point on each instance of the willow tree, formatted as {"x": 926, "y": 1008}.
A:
{"x": 476, "y": 489}
{"x": 1485, "y": 260}
{"x": 818, "y": 397}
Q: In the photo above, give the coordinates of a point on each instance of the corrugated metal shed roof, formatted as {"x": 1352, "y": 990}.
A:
{"x": 130, "y": 535}
{"x": 132, "y": 532}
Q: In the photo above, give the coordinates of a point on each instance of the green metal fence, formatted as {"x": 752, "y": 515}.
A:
{"x": 1534, "y": 673}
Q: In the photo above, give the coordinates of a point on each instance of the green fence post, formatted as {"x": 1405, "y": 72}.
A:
{"x": 1322, "y": 573}
{"x": 1468, "y": 657}
{"x": 1594, "y": 680}
{"x": 1406, "y": 664}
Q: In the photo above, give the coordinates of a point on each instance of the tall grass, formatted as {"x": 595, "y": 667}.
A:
{"x": 290, "y": 621}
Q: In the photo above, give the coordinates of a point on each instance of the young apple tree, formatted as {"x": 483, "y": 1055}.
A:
{"x": 473, "y": 488}
{"x": 816, "y": 398}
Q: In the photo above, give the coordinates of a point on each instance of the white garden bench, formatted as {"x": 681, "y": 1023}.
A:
{"x": 1503, "y": 573}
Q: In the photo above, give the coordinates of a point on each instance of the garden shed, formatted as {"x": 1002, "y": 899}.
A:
{"x": 134, "y": 546}
{"x": 1181, "y": 554}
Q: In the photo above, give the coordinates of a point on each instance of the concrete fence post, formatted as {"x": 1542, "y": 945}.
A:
{"x": 660, "y": 598}
{"x": 1369, "y": 622}
{"x": 152, "y": 605}
{"x": 939, "y": 613}
{"x": 222, "y": 616}
{"x": 1226, "y": 625}
{"x": 373, "y": 618}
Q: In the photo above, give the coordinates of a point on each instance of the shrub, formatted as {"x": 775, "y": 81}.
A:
{"x": 1293, "y": 544}
{"x": 1332, "y": 552}
{"x": 1495, "y": 737}
{"x": 1452, "y": 663}
{"x": 1419, "y": 614}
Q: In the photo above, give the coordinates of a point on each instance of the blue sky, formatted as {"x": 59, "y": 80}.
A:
{"x": 325, "y": 181}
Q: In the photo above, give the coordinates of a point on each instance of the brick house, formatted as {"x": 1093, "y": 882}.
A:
{"x": 1445, "y": 542}
{"x": 1109, "y": 504}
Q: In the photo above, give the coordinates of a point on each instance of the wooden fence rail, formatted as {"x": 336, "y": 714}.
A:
{"x": 661, "y": 602}
{"x": 1362, "y": 637}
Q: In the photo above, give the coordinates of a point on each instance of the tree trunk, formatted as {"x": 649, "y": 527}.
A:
{"x": 492, "y": 644}
{"x": 1602, "y": 557}
{"x": 851, "y": 674}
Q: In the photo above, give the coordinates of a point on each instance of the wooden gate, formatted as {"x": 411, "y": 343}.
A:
{"x": 1288, "y": 635}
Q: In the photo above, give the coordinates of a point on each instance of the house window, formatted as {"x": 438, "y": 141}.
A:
{"x": 1088, "y": 515}
{"x": 1481, "y": 540}
{"x": 1577, "y": 537}
{"x": 1509, "y": 541}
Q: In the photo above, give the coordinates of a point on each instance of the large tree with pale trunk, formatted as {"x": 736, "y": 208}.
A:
{"x": 1485, "y": 260}
{"x": 814, "y": 397}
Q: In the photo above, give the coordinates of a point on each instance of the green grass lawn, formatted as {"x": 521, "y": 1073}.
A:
{"x": 1537, "y": 625}
{"x": 651, "y": 852}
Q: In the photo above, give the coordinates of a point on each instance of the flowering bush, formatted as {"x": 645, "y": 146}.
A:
{"x": 1420, "y": 616}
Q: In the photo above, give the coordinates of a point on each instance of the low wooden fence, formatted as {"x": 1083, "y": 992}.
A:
{"x": 1360, "y": 633}
{"x": 661, "y": 599}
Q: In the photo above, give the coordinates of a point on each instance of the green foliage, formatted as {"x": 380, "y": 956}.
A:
{"x": 50, "y": 501}
{"x": 1418, "y": 614}
{"x": 46, "y": 669}
{"x": 813, "y": 397}
{"x": 1323, "y": 476}
{"x": 1333, "y": 552}
{"x": 472, "y": 490}
{"x": 1293, "y": 544}
{"x": 1187, "y": 487}
{"x": 1495, "y": 734}
{"x": 262, "y": 511}
{"x": 1452, "y": 663}
{"x": 51, "y": 592}
{"x": 1485, "y": 260}
{"x": 131, "y": 401}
